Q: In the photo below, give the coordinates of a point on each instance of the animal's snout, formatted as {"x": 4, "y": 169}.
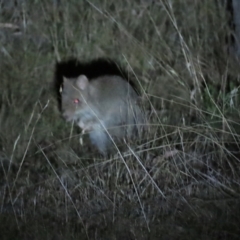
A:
{"x": 67, "y": 116}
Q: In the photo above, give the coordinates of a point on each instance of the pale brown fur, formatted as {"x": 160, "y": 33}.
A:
{"x": 104, "y": 107}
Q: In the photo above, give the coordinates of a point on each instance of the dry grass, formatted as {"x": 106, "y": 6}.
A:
{"x": 181, "y": 182}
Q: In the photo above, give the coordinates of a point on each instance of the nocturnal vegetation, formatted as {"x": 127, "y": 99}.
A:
{"x": 151, "y": 90}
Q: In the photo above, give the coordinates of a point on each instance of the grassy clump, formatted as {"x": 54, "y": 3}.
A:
{"x": 181, "y": 182}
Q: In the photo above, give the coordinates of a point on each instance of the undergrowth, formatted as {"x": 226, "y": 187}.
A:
{"x": 180, "y": 181}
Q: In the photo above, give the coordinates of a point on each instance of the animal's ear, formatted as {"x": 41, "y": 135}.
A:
{"x": 82, "y": 82}
{"x": 65, "y": 81}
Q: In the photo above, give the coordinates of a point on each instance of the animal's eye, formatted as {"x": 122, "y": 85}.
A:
{"x": 76, "y": 101}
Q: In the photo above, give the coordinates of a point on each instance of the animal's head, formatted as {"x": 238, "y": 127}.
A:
{"x": 74, "y": 95}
